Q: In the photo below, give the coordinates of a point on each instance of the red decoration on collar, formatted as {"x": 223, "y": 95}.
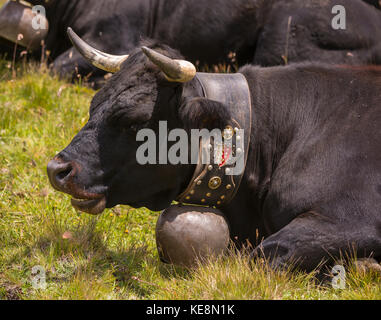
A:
{"x": 227, "y": 152}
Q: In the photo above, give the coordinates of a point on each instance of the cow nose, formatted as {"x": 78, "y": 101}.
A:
{"x": 58, "y": 173}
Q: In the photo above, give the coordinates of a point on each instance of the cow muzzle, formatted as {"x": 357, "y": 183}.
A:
{"x": 61, "y": 175}
{"x": 18, "y": 19}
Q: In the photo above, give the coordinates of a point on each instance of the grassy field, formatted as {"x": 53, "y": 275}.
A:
{"x": 112, "y": 256}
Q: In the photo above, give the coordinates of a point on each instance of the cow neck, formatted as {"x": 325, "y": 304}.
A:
{"x": 213, "y": 184}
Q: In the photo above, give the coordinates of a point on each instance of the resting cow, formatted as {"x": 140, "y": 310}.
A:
{"x": 262, "y": 32}
{"x": 312, "y": 182}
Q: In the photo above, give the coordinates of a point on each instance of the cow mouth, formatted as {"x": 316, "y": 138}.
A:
{"x": 91, "y": 206}
{"x": 61, "y": 175}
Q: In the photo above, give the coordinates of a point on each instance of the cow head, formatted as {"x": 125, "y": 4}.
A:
{"x": 99, "y": 167}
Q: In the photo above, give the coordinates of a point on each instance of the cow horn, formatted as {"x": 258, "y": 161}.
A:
{"x": 174, "y": 70}
{"x": 101, "y": 60}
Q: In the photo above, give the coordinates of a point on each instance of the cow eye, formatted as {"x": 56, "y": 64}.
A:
{"x": 134, "y": 128}
{"x": 130, "y": 130}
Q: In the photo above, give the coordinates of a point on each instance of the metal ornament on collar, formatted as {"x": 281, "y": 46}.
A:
{"x": 213, "y": 184}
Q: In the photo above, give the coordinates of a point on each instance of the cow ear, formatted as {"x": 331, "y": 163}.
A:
{"x": 200, "y": 113}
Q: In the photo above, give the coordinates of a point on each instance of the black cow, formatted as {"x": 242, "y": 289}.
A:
{"x": 262, "y": 32}
{"x": 312, "y": 183}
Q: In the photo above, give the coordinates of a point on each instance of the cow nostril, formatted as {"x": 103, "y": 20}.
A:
{"x": 58, "y": 172}
{"x": 63, "y": 174}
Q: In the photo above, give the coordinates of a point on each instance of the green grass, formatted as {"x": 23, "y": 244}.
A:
{"x": 112, "y": 256}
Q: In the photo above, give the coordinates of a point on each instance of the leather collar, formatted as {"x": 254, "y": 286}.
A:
{"x": 211, "y": 184}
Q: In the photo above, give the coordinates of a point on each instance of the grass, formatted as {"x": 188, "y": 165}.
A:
{"x": 112, "y": 256}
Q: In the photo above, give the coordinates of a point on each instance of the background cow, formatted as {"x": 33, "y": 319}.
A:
{"x": 263, "y": 32}
{"x": 312, "y": 182}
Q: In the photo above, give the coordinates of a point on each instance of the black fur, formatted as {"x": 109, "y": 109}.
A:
{"x": 312, "y": 184}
